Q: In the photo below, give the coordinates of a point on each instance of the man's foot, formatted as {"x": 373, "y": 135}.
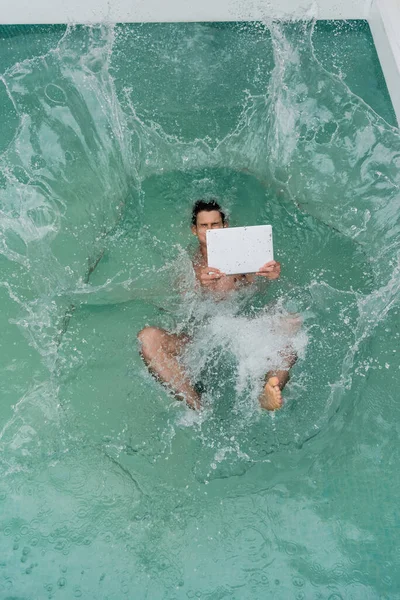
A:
{"x": 271, "y": 398}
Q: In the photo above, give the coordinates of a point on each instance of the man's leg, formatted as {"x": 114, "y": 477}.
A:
{"x": 160, "y": 351}
{"x": 275, "y": 381}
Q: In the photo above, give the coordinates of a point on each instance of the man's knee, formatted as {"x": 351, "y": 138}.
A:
{"x": 150, "y": 340}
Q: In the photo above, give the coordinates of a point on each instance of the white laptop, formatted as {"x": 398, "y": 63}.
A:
{"x": 236, "y": 250}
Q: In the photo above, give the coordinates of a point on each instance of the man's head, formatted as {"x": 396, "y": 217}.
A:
{"x": 207, "y": 214}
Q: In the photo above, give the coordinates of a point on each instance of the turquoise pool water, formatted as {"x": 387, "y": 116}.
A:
{"x": 109, "y": 487}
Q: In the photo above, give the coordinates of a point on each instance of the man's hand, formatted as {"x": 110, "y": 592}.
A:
{"x": 208, "y": 275}
{"x": 271, "y": 270}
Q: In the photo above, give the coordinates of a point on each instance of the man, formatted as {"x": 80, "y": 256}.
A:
{"x": 161, "y": 349}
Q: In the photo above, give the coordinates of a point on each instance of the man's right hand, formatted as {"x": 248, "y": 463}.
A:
{"x": 208, "y": 275}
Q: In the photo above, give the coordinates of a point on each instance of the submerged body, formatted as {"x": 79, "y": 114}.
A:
{"x": 162, "y": 349}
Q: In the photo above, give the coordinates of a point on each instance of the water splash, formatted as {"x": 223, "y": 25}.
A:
{"x": 95, "y": 194}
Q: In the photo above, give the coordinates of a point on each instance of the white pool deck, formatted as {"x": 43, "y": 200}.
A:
{"x": 383, "y": 17}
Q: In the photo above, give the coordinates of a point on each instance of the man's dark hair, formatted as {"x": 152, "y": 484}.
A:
{"x": 207, "y": 205}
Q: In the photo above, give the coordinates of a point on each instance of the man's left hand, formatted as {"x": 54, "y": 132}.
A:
{"x": 271, "y": 270}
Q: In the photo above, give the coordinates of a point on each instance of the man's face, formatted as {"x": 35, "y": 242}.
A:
{"x": 207, "y": 219}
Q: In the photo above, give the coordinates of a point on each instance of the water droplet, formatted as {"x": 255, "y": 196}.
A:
{"x": 55, "y": 93}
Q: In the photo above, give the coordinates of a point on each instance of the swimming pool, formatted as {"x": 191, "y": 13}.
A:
{"x": 109, "y": 487}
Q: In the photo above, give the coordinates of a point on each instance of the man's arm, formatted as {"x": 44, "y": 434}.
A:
{"x": 271, "y": 270}
{"x": 218, "y": 281}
